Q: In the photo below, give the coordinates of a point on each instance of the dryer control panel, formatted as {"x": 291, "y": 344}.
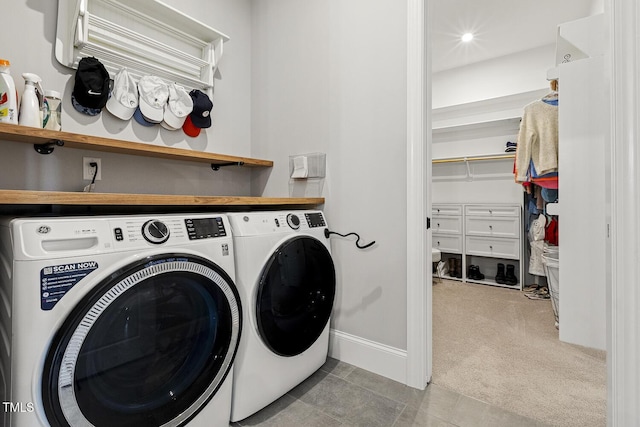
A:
{"x": 262, "y": 223}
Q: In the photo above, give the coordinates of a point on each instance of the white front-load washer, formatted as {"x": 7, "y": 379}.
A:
{"x": 117, "y": 321}
{"x": 286, "y": 280}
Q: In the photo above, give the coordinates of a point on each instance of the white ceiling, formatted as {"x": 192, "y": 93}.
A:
{"x": 501, "y": 27}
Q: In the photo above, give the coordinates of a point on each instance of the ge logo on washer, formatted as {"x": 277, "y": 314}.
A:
{"x": 43, "y": 229}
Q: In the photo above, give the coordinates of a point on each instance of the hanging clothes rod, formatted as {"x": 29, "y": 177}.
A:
{"x": 474, "y": 158}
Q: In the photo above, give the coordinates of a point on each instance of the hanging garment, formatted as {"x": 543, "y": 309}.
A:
{"x": 551, "y": 232}
{"x": 548, "y": 180}
{"x": 536, "y": 241}
{"x": 537, "y": 140}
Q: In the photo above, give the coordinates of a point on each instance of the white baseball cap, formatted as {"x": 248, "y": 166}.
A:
{"x": 124, "y": 96}
{"x": 177, "y": 108}
{"x": 154, "y": 94}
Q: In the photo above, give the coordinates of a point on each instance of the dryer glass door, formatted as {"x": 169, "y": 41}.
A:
{"x": 148, "y": 347}
{"x": 295, "y": 295}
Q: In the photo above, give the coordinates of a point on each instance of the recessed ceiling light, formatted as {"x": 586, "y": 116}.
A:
{"x": 467, "y": 37}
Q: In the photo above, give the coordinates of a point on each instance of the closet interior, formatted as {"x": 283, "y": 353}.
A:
{"x": 518, "y": 188}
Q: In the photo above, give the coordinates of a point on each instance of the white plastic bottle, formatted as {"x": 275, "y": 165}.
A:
{"x": 31, "y": 102}
{"x": 8, "y": 95}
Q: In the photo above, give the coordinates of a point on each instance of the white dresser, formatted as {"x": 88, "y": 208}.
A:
{"x": 447, "y": 228}
{"x": 480, "y": 235}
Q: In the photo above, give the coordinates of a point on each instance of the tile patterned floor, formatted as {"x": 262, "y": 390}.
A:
{"x": 340, "y": 394}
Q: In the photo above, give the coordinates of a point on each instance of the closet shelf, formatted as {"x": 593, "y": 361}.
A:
{"x": 507, "y": 122}
{"x": 474, "y": 158}
{"x": 17, "y": 133}
{"x": 26, "y": 197}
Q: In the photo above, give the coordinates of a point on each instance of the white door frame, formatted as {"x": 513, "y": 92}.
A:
{"x": 418, "y": 194}
{"x": 623, "y": 296}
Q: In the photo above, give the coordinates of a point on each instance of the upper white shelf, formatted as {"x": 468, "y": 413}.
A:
{"x": 505, "y": 122}
{"x": 146, "y": 36}
{"x": 482, "y": 113}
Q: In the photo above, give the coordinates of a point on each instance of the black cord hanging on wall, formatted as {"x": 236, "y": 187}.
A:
{"x": 328, "y": 233}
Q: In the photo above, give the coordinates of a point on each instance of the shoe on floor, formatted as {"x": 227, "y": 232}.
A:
{"x": 542, "y": 293}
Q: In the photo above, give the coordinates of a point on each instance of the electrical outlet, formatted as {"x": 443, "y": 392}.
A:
{"x": 88, "y": 170}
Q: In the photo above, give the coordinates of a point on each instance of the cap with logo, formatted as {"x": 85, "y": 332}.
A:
{"x": 200, "y": 117}
{"x": 124, "y": 96}
{"x": 91, "y": 89}
{"x": 153, "y": 97}
{"x": 176, "y": 110}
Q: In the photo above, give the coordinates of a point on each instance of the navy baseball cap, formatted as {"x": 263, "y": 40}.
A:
{"x": 200, "y": 117}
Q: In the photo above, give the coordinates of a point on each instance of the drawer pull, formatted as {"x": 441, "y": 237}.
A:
{"x": 438, "y": 243}
{"x": 490, "y": 247}
{"x": 490, "y": 211}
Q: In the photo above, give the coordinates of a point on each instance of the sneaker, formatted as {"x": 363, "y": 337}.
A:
{"x": 541, "y": 293}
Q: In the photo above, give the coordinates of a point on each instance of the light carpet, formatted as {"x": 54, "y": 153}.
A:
{"x": 497, "y": 346}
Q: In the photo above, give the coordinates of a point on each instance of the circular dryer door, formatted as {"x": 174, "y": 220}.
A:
{"x": 147, "y": 347}
{"x": 295, "y": 295}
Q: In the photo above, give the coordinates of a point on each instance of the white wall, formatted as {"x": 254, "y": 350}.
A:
{"x": 597, "y": 6}
{"x": 32, "y": 50}
{"x": 506, "y": 75}
{"x": 330, "y": 76}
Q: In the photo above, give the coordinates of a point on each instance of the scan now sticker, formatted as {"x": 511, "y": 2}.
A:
{"x": 57, "y": 280}
{"x": 18, "y": 407}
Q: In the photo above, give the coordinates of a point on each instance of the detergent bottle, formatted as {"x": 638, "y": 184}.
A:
{"x": 8, "y": 95}
{"x": 32, "y": 101}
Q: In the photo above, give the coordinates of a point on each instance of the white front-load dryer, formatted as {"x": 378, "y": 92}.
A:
{"x": 117, "y": 321}
{"x": 286, "y": 280}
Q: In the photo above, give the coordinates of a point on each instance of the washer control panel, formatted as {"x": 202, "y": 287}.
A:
{"x": 131, "y": 232}
{"x": 205, "y": 228}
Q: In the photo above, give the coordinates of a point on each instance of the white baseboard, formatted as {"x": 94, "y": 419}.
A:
{"x": 378, "y": 358}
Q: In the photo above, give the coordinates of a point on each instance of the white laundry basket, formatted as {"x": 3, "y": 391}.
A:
{"x": 550, "y": 259}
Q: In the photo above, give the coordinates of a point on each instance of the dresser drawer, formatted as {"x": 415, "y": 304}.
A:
{"x": 446, "y": 210}
{"x": 447, "y": 243}
{"x": 447, "y": 224}
{"x": 492, "y": 210}
{"x": 498, "y": 226}
{"x": 492, "y": 247}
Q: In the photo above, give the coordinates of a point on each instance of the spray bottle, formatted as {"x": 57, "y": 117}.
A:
{"x": 8, "y": 95}
{"x": 32, "y": 101}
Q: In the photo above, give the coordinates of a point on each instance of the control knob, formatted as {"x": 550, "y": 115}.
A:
{"x": 293, "y": 221}
{"x": 155, "y": 231}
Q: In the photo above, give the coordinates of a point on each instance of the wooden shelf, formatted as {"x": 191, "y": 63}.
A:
{"x": 25, "y": 197}
{"x": 31, "y": 135}
{"x": 62, "y": 140}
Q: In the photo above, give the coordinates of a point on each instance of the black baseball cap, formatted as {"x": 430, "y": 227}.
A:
{"x": 91, "y": 89}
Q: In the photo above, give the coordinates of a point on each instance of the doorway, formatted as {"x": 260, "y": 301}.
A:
{"x": 622, "y": 20}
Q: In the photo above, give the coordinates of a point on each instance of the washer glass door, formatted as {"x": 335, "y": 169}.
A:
{"x": 295, "y": 295}
{"x": 148, "y": 347}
